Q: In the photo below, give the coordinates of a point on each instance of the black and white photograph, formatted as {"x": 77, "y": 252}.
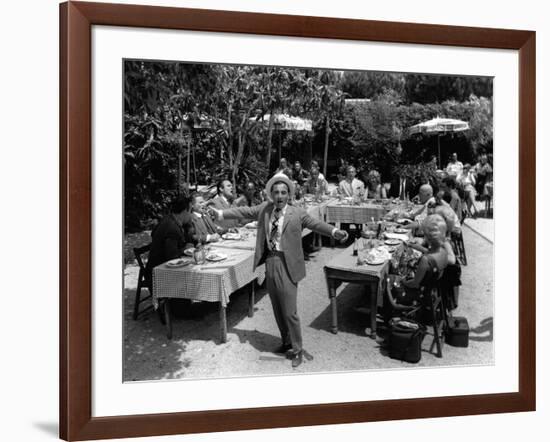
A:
{"x": 293, "y": 220}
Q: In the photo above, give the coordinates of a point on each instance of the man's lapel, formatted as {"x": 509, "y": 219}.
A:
{"x": 289, "y": 213}
{"x": 267, "y": 214}
{"x": 209, "y": 224}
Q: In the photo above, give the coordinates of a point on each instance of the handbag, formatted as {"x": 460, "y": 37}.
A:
{"x": 406, "y": 336}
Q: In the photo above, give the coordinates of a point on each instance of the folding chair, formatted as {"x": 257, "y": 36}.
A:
{"x": 457, "y": 242}
{"x": 144, "y": 281}
{"x": 430, "y": 301}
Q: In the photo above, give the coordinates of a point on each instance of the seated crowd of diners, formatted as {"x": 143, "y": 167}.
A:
{"x": 433, "y": 220}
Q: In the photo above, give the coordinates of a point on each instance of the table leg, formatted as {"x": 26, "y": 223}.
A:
{"x": 332, "y": 241}
{"x": 373, "y": 308}
{"x": 223, "y": 324}
{"x": 167, "y": 318}
{"x": 334, "y": 309}
{"x": 251, "y": 301}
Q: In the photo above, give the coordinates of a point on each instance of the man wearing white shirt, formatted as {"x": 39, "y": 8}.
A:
{"x": 351, "y": 186}
{"x": 454, "y": 167}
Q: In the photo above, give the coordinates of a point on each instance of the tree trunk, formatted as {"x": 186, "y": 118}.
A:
{"x": 188, "y": 163}
{"x": 235, "y": 169}
{"x": 325, "y": 156}
{"x": 269, "y": 140}
{"x": 309, "y": 150}
{"x": 240, "y": 149}
{"x": 178, "y": 186}
{"x": 230, "y": 137}
{"x": 194, "y": 164}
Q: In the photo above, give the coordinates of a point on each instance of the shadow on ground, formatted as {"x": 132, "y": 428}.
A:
{"x": 484, "y": 328}
{"x": 352, "y": 307}
{"x": 147, "y": 349}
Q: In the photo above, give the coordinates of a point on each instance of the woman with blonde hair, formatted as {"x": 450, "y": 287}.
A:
{"x": 429, "y": 267}
{"x": 435, "y": 255}
{"x": 375, "y": 189}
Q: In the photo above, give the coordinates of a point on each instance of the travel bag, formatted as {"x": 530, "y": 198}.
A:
{"x": 405, "y": 342}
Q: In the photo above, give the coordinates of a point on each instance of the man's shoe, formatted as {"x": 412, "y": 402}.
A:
{"x": 284, "y": 349}
{"x": 297, "y": 359}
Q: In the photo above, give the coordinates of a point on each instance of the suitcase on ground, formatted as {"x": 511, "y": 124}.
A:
{"x": 457, "y": 332}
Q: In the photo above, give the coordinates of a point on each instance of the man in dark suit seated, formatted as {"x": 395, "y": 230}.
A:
{"x": 222, "y": 201}
{"x": 401, "y": 187}
{"x": 279, "y": 245}
{"x": 172, "y": 235}
{"x": 204, "y": 228}
{"x": 250, "y": 196}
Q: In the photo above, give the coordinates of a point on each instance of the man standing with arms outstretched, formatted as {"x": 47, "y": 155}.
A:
{"x": 279, "y": 245}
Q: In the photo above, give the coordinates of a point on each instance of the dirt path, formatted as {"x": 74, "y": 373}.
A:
{"x": 195, "y": 351}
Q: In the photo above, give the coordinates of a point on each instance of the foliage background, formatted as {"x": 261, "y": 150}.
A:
{"x": 222, "y": 115}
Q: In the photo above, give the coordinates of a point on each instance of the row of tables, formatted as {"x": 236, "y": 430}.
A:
{"x": 216, "y": 281}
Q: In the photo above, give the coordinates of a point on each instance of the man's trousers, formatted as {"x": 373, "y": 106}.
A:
{"x": 283, "y": 294}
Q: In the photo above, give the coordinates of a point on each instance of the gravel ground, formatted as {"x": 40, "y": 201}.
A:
{"x": 196, "y": 352}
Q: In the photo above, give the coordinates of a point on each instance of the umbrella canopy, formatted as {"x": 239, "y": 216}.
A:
{"x": 439, "y": 126}
{"x": 288, "y": 122}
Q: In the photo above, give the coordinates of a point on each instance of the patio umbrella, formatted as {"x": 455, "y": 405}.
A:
{"x": 439, "y": 126}
{"x": 287, "y": 122}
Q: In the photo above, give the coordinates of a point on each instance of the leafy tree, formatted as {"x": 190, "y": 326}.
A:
{"x": 421, "y": 88}
{"x": 369, "y": 84}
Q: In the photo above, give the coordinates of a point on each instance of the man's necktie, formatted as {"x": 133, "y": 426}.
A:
{"x": 274, "y": 228}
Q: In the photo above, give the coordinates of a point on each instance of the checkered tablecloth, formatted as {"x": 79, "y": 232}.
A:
{"x": 339, "y": 213}
{"x": 213, "y": 282}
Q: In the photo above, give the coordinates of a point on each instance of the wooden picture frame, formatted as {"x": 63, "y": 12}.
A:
{"x": 76, "y": 20}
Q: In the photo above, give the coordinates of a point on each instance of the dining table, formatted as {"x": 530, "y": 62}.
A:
{"x": 215, "y": 281}
{"x": 347, "y": 268}
{"x": 362, "y": 212}
{"x": 212, "y": 281}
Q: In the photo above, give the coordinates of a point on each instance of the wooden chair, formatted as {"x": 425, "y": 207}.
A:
{"x": 144, "y": 281}
{"x": 430, "y": 301}
{"x": 457, "y": 242}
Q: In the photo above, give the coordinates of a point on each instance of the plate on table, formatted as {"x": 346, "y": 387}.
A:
{"x": 189, "y": 252}
{"x": 374, "y": 261}
{"x": 178, "y": 262}
{"x": 377, "y": 256}
{"x": 252, "y": 225}
{"x": 392, "y": 242}
{"x": 401, "y": 231}
{"x": 231, "y": 236}
{"x": 215, "y": 257}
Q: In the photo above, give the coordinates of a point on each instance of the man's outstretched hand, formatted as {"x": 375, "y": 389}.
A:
{"x": 215, "y": 213}
{"x": 341, "y": 235}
